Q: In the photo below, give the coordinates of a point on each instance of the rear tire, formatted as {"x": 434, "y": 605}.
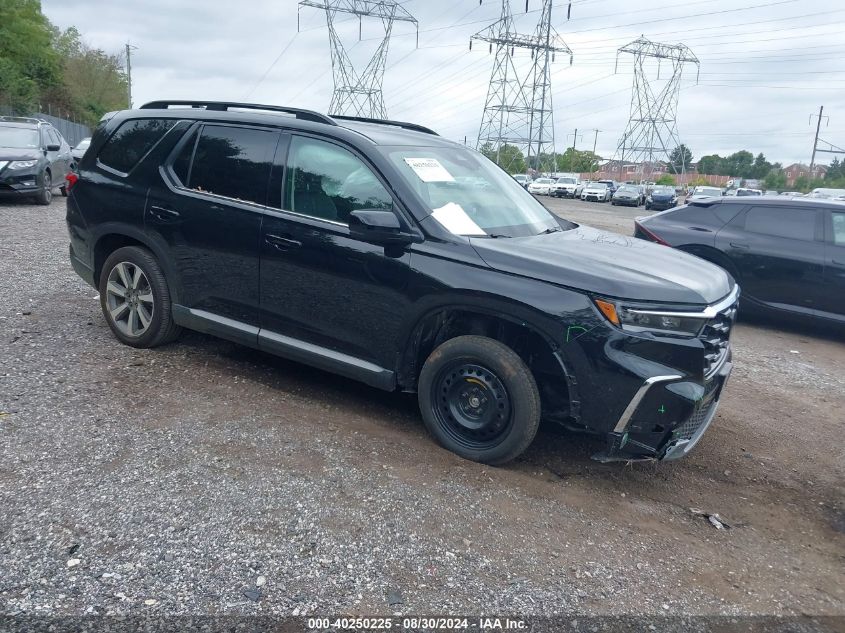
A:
{"x": 479, "y": 399}
{"x": 135, "y": 298}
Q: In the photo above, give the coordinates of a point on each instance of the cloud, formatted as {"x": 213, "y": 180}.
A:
{"x": 765, "y": 66}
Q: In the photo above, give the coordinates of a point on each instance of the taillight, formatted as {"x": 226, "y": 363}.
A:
{"x": 72, "y": 179}
{"x": 649, "y": 235}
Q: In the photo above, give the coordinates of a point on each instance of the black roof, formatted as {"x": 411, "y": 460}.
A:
{"x": 377, "y": 131}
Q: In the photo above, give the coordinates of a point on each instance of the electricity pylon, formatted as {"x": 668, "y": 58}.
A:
{"x": 518, "y": 111}
{"x": 652, "y": 130}
{"x": 360, "y": 94}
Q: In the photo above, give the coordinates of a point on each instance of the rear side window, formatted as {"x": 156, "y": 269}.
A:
{"x": 796, "y": 224}
{"x": 838, "y": 228}
{"x": 229, "y": 161}
{"x": 131, "y": 142}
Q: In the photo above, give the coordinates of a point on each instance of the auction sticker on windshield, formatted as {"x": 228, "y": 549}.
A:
{"x": 429, "y": 170}
{"x": 455, "y": 220}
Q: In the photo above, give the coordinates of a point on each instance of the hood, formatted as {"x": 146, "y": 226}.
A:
{"x": 12, "y": 153}
{"x": 596, "y": 189}
{"x": 608, "y": 264}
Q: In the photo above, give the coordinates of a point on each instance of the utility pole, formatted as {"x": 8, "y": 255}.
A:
{"x": 595, "y": 141}
{"x": 129, "y": 49}
{"x": 816, "y": 141}
{"x": 572, "y": 155}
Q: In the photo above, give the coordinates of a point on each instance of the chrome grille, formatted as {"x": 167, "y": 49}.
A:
{"x": 716, "y": 336}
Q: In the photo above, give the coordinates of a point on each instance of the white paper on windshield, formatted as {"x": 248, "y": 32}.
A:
{"x": 455, "y": 220}
{"x": 429, "y": 170}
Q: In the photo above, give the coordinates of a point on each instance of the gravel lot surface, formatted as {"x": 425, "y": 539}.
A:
{"x": 208, "y": 478}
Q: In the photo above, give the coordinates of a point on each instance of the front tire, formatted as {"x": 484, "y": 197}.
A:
{"x": 479, "y": 399}
{"x": 45, "y": 197}
{"x": 135, "y": 298}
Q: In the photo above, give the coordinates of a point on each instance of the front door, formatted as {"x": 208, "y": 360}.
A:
{"x": 779, "y": 253}
{"x": 320, "y": 286}
{"x": 207, "y": 213}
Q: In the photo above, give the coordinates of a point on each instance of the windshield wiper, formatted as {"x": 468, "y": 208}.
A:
{"x": 550, "y": 230}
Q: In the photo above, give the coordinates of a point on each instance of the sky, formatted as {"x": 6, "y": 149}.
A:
{"x": 765, "y": 66}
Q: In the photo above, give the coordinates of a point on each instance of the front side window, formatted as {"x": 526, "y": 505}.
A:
{"x": 131, "y": 142}
{"x": 328, "y": 182}
{"x": 797, "y": 224}
{"x": 230, "y": 161}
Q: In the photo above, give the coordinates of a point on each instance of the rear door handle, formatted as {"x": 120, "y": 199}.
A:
{"x": 163, "y": 213}
{"x": 281, "y": 243}
{"x": 739, "y": 245}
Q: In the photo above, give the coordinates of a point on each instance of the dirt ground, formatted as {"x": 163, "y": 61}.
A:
{"x": 181, "y": 478}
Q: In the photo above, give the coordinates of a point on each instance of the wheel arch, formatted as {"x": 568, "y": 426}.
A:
{"x": 503, "y": 323}
{"x": 114, "y": 237}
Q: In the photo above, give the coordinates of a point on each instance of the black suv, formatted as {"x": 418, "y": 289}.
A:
{"x": 788, "y": 253}
{"x": 383, "y": 252}
{"x": 34, "y": 159}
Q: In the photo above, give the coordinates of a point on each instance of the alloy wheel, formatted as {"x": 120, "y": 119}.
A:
{"x": 48, "y": 187}
{"x": 129, "y": 299}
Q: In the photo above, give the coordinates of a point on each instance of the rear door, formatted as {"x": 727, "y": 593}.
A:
{"x": 206, "y": 211}
{"x": 833, "y": 301}
{"x": 779, "y": 253}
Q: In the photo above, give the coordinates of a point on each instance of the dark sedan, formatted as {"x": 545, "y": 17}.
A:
{"x": 661, "y": 197}
{"x": 788, "y": 255}
{"x": 627, "y": 195}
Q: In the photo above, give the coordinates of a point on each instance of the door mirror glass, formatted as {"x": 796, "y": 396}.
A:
{"x": 53, "y": 147}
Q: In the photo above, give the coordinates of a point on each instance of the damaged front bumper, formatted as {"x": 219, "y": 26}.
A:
{"x": 646, "y": 432}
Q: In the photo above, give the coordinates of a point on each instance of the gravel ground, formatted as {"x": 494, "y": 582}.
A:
{"x": 206, "y": 478}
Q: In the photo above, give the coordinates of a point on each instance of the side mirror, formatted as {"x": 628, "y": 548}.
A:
{"x": 378, "y": 227}
{"x": 53, "y": 147}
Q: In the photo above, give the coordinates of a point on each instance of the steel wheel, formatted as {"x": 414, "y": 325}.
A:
{"x": 129, "y": 299}
{"x": 472, "y": 405}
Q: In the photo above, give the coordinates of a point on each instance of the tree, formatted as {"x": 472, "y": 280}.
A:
{"x": 577, "y": 161}
{"x": 761, "y": 167}
{"x": 836, "y": 170}
{"x": 665, "y": 179}
{"x": 28, "y": 63}
{"x": 680, "y": 159}
{"x": 775, "y": 180}
{"x": 508, "y": 157}
{"x": 710, "y": 165}
{"x": 739, "y": 163}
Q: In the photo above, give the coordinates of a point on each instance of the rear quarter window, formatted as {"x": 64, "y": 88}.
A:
{"x": 132, "y": 141}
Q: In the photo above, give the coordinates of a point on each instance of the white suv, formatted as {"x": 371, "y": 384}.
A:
{"x": 566, "y": 187}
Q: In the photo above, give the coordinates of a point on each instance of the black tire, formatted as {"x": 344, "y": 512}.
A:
{"x": 160, "y": 329}
{"x": 63, "y": 190}
{"x": 45, "y": 196}
{"x": 502, "y": 387}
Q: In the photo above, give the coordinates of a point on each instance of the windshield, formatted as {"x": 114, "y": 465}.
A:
{"x": 628, "y": 189}
{"x": 468, "y": 194}
{"x": 664, "y": 190}
{"x": 708, "y": 191}
{"x": 84, "y": 143}
{"x": 19, "y": 138}
{"x": 543, "y": 181}
{"x": 598, "y": 185}
{"x": 520, "y": 178}
{"x": 566, "y": 181}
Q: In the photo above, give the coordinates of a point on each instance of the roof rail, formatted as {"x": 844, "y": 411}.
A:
{"x": 223, "y": 106}
{"x": 22, "y": 119}
{"x": 402, "y": 124}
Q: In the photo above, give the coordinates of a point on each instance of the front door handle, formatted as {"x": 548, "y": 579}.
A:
{"x": 163, "y": 213}
{"x": 281, "y": 243}
{"x": 739, "y": 245}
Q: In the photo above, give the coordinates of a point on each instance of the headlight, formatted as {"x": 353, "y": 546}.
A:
{"x": 22, "y": 164}
{"x": 637, "y": 319}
